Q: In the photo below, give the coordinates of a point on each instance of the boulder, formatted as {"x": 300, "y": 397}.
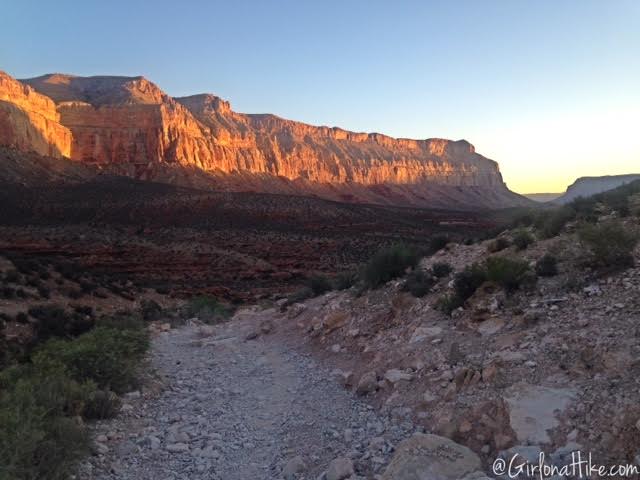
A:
{"x": 431, "y": 457}
{"x": 293, "y": 467}
{"x": 339, "y": 469}
{"x": 368, "y": 383}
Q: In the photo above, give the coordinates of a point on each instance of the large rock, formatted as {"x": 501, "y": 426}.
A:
{"x": 368, "y": 383}
{"x": 339, "y": 469}
{"x": 430, "y": 457}
{"x": 533, "y": 410}
{"x": 131, "y": 125}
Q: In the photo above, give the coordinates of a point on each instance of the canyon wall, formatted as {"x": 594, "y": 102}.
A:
{"x": 130, "y": 124}
{"x": 29, "y": 121}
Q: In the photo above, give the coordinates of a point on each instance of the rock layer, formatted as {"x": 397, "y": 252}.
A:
{"x": 29, "y": 121}
{"x": 128, "y": 122}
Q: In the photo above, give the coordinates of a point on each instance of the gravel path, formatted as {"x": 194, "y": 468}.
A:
{"x": 240, "y": 409}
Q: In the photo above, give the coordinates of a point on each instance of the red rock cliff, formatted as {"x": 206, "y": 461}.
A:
{"x": 29, "y": 121}
{"x": 129, "y": 121}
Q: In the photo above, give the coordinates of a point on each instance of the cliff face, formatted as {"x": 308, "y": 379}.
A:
{"x": 130, "y": 124}
{"x": 269, "y": 144}
{"x": 588, "y": 186}
{"x": 29, "y": 121}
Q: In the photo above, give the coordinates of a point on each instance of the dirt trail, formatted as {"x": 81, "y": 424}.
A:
{"x": 240, "y": 409}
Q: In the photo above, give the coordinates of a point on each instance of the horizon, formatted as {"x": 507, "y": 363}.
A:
{"x": 525, "y": 84}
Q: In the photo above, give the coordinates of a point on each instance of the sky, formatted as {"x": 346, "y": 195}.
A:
{"x": 549, "y": 89}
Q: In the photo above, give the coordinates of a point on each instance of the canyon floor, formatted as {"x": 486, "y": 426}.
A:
{"x": 239, "y": 404}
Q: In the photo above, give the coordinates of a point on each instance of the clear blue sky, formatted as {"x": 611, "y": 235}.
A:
{"x": 550, "y": 89}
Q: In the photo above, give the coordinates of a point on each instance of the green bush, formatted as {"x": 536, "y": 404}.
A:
{"x": 418, "y": 282}
{"x": 39, "y": 438}
{"x": 441, "y": 269}
{"x": 345, "y": 280}
{"x": 467, "y": 281}
{"x": 448, "y": 303}
{"x": 506, "y": 272}
{"x": 611, "y": 244}
{"x": 498, "y": 245}
{"x": 55, "y": 321}
{"x": 106, "y": 356}
{"x": 299, "y": 296}
{"x": 551, "y": 223}
{"x": 319, "y": 284}
{"x": 13, "y": 276}
{"x": 150, "y": 310}
{"x": 101, "y": 404}
{"x": 209, "y": 309}
{"x": 40, "y": 401}
{"x": 387, "y": 264}
{"x": 437, "y": 243}
{"x": 522, "y": 239}
{"x": 547, "y": 266}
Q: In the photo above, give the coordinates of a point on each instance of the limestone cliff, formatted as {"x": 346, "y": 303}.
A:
{"x": 129, "y": 123}
{"x": 29, "y": 121}
{"x": 588, "y": 186}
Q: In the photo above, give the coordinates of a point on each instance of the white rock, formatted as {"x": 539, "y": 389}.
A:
{"x": 339, "y": 469}
{"x": 430, "y": 457}
{"x": 177, "y": 447}
{"x": 394, "y": 376}
{"x": 293, "y": 467}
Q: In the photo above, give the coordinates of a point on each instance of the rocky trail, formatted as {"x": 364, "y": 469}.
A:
{"x": 238, "y": 407}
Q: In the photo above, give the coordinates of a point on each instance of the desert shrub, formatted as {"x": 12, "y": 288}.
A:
{"x": 387, "y": 264}
{"x": 87, "y": 286}
{"x": 585, "y": 208}
{"x": 86, "y": 310}
{"x": 299, "y": 296}
{"x": 611, "y": 244}
{"x": 418, "y": 282}
{"x": 101, "y": 404}
{"x": 163, "y": 290}
{"x": 150, "y": 310}
{"x": 67, "y": 270}
{"x": 506, "y": 272}
{"x": 448, "y": 303}
{"x": 7, "y": 292}
{"x": 13, "y": 276}
{"x": 345, "y": 280}
{"x": 20, "y": 293}
{"x": 104, "y": 355}
{"x": 27, "y": 266}
{"x": 441, "y": 269}
{"x": 547, "y": 266}
{"x": 74, "y": 293}
{"x": 209, "y": 309}
{"x": 574, "y": 282}
{"x": 437, "y": 243}
{"x": 44, "y": 292}
{"x": 467, "y": 281}
{"x": 39, "y": 438}
{"x": 498, "y": 244}
{"x": 22, "y": 317}
{"x": 522, "y": 218}
{"x": 55, "y": 321}
{"x": 319, "y": 284}
{"x": 522, "y": 239}
{"x": 551, "y": 223}
{"x": 121, "y": 320}
{"x": 33, "y": 282}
